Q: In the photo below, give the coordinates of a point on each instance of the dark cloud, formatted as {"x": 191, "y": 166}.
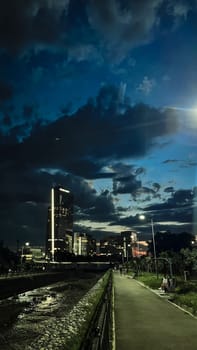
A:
{"x": 89, "y": 144}
{"x": 179, "y": 10}
{"x": 103, "y": 209}
{"x": 35, "y": 21}
{"x": 189, "y": 163}
{"x": 25, "y": 197}
{"x": 156, "y": 186}
{"x": 170, "y": 161}
{"x": 195, "y": 192}
{"x": 129, "y": 221}
{"x": 6, "y": 91}
{"x": 125, "y": 180}
{"x": 96, "y": 135}
{"x": 124, "y": 24}
{"x": 7, "y": 120}
{"x": 180, "y": 198}
{"x": 164, "y": 218}
{"x": 91, "y": 205}
{"x": 182, "y": 163}
{"x": 75, "y": 25}
{"x": 16, "y": 132}
{"x": 46, "y": 25}
{"x": 169, "y": 189}
{"x": 183, "y": 197}
{"x": 28, "y": 111}
{"x": 123, "y": 209}
{"x": 179, "y": 208}
{"x": 181, "y": 215}
{"x": 140, "y": 171}
{"x": 145, "y": 194}
{"x": 100, "y": 233}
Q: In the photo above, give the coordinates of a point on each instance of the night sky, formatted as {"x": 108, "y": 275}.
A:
{"x": 99, "y": 96}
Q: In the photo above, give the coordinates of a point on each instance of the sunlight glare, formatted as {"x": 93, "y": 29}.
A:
{"x": 191, "y": 115}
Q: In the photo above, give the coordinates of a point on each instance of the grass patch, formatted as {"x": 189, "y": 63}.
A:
{"x": 184, "y": 287}
{"x": 184, "y": 295}
{"x": 150, "y": 280}
{"x": 187, "y": 301}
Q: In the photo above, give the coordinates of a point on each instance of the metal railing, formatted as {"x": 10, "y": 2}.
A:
{"x": 99, "y": 335}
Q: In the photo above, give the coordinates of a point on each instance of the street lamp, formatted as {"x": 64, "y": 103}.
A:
{"x": 128, "y": 248}
{"x": 143, "y": 217}
{"x": 22, "y": 249}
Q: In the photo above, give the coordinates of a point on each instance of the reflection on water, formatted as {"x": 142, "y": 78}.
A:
{"x": 24, "y": 317}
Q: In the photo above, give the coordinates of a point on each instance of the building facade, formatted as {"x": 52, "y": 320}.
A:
{"x": 59, "y": 224}
{"x": 111, "y": 246}
{"x": 83, "y": 244}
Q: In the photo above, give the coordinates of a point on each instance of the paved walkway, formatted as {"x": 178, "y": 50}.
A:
{"x": 145, "y": 321}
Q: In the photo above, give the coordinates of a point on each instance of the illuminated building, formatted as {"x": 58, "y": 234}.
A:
{"x": 83, "y": 244}
{"x": 59, "y": 224}
{"x": 80, "y": 244}
{"x": 111, "y": 246}
{"x": 129, "y": 241}
{"x": 140, "y": 248}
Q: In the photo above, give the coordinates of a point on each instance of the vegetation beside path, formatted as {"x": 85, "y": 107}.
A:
{"x": 184, "y": 294}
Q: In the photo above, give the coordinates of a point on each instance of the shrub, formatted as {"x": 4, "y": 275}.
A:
{"x": 188, "y": 300}
{"x": 186, "y": 287}
{"x": 150, "y": 280}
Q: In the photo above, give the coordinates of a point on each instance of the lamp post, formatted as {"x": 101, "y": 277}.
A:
{"x": 128, "y": 255}
{"x": 125, "y": 248}
{"x": 138, "y": 249}
{"x": 142, "y": 217}
{"x": 154, "y": 248}
{"x": 22, "y": 249}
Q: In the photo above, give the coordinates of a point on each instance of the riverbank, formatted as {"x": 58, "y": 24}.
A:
{"x": 27, "y": 320}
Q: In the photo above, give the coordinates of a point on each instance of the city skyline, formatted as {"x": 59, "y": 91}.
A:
{"x": 100, "y": 97}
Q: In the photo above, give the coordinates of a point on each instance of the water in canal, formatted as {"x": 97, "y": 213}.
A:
{"x": 26, "y": 317}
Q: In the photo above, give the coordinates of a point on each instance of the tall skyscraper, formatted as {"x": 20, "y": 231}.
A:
{"x": 59, "y": 224}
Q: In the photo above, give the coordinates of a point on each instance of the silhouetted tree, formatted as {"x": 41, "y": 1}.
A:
{"x": 167, "y": 241}
{"x": 190, "y": 259}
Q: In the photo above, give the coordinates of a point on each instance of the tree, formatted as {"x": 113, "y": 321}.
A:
{"x": 8, "y": 259}
{"x": 167, "y": 241}
{"x": 190, "y": 259}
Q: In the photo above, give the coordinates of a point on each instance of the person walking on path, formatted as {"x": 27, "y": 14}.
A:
{"x": 165, "y": 284}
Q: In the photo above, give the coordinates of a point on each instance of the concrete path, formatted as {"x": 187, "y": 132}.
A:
{"x": 145, "y": 321}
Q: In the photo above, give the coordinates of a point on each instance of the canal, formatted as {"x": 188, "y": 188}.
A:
{"x": 26, "y": 317}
